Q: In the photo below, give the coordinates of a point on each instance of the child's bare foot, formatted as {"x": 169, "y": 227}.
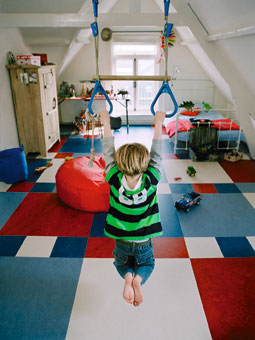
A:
{"x": 128, "y": 292}
{"x": 138, "y": 299}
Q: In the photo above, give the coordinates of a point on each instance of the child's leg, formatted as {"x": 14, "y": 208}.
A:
{"x": 125, "y": 267}
{"x": 144, "y": 266}
{"x": 128, "y": 291}
{"x": 138, "y": 294}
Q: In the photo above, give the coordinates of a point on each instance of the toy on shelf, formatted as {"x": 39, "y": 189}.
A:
{"x": 177, "y": 178}
{"x": 191, "y": 171}
{"x": 188, "y": 200}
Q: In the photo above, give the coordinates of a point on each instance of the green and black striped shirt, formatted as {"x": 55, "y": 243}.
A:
{"x": 133, "y": 215}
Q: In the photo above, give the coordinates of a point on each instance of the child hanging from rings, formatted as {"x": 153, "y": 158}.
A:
{"x": 133, "y": 217}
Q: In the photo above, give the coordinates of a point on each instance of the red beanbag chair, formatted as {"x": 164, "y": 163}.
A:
{"x": 82, "y": 187}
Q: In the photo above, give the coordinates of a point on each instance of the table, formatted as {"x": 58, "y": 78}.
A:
{"x": 87, "y": 99}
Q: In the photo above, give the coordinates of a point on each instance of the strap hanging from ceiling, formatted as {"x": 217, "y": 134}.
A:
{"x": 98, "y": 88}
{"x": 165, "y": 86}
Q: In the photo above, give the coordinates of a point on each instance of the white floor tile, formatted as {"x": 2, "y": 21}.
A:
{"x": 206, "y": 172}
{"x": 172, "y": 308}
{"x": 37, "y": 246}
{"x": 48, "y": 176}
{"x": 4, "y": 186}
{"x": 51, "y": 155}
{"x": 251, "y": 239}
{"x": 163, "y": 188}
{"x": 203, "y": 247}
{"x": 251, "y": 198}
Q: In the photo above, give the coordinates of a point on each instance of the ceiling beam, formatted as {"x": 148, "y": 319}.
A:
{"x": 233, "y": 34}
{"x": 105, "y": 6}
{"x": 160, "y": 5}
{"x": 75, "y": 20}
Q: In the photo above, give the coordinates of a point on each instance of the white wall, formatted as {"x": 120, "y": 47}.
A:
{"x": 241, "y": 52}
{"x": 10, "y": 40}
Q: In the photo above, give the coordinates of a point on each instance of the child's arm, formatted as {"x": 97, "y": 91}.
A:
{"x": 156, "y": 148}
{"x": 105, "y": 120}
{"x": 107, "y": 141}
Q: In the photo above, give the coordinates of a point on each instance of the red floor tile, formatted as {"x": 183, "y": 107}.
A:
{"x": 100, "y": 247}
{"x": 21, "y": 187}
{"x": 165, "y": 247}
{"x": 43, "y": 214}
{"x": 204, "y": 188}
{"x": 89, "y": 136}
{"x": 241, "y": 171}
{"x": 64, "y": 154}
{"x": 227, "y": 291}
{"x": 57, "y": 146}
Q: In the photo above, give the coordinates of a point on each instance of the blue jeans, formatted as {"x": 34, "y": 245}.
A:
{"x": 134, "y": 258}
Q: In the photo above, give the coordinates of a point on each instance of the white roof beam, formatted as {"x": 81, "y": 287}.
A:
{"x": 160, "y": 4}
{"x": 75, "y": 20}
{"x": 233, "y": 34}
{"x": 105, "y": 6}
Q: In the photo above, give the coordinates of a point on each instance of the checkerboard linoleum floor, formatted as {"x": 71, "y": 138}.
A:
{"x": 57, "y": 280}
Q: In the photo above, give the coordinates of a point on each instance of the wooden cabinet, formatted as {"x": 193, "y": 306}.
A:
{"x": 35, "y": 100}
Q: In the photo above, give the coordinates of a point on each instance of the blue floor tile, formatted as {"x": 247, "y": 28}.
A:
{"x": 218, "y": 215}
{"x": 43, "y": 187}
{"x": 180, "y": 188}
{"x": 246, "y": 187}
{"x": 32, "y": 165}
{"x": 225, "y": 188}
{"x": 9, "y": 202}
{"x": 81, "y": 145}
{"x": 72, "y": 247}
{"x": 168, "y": 216}
{"x": 37, "y": 296}
{"x": 183, "y": 154}
{"x": 76, "y": 155}
{"x": 9, "y": 245}
{"x": 235, "y": 247}
{"x": 97, "y": 228}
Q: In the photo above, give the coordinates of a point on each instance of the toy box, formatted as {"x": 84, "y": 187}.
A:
{"x": 233, "y": 156}
{"x": 28, "y": 59}
{"x": 44, "y": 58}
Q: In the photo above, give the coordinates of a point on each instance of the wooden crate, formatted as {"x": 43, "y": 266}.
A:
{"x": 233, "y": 156}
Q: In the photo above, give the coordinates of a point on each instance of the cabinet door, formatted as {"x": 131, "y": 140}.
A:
{"x": 50, "y": 106}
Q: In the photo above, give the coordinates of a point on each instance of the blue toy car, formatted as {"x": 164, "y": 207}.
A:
{"x": 188, "y": 200}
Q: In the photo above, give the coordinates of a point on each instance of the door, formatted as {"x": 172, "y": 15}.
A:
{"x": 51, "y": 110}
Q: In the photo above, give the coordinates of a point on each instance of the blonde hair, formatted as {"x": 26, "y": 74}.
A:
{"x": 132, "y": 159}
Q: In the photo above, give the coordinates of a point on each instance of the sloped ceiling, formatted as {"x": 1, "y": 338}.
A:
{"x": 59, "y": 22}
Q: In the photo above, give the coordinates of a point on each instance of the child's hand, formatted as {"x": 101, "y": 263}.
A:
{"x": 104, "y": 117}
{"x": 159, "y": 118}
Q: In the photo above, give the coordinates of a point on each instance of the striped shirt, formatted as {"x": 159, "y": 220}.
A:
{"x": 133, "y": 214}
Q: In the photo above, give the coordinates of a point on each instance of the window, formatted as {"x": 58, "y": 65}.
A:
{"x": 136, "y": 59}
